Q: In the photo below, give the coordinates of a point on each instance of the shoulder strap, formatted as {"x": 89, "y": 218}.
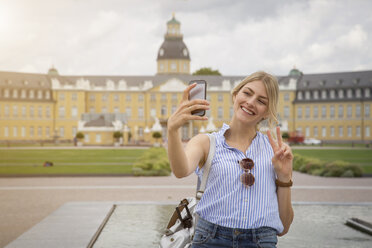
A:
{"x": 207, "y": 166}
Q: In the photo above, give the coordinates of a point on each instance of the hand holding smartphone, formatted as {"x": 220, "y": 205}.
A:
{"x": 198, "y": 92}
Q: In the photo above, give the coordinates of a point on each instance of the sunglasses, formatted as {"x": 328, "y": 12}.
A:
{"x": 247, "y": 177}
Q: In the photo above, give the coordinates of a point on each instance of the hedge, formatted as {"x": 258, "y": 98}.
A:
{"x": 154, "y": 162}
{"x": 317, "y": 167}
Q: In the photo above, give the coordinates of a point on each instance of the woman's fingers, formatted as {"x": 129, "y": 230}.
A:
{"x": 271, "y": 140}
{"x": 186, "y": 92}
{"x": 279, "y": 136}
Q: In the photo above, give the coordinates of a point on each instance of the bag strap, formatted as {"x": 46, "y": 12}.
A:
{"x": 206, "y": 167}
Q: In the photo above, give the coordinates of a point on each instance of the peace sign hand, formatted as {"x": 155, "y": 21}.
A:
{"x": 183, "y": 112}
{"x": 283, "y": 157}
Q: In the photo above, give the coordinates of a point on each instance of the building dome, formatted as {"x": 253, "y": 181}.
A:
{"x": 53, "y": 71}
{"x": 295, "y": 72}
{"x": 173, "y": 48}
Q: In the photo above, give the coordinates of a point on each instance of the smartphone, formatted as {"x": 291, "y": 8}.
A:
{"x": 198, "y": 92}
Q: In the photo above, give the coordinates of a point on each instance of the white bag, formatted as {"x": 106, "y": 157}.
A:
{"x": 180, "y": 229}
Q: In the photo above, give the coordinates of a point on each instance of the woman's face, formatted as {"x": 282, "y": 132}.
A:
{"x": 251, "y": 103}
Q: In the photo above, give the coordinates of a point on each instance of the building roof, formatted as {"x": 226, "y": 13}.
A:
{"x": 173, "y": 48}
{"x": 24, "y": 80}
{"x": 335, "y": 80}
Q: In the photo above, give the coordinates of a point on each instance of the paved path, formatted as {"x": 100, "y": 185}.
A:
{"x": 24, "y": 202}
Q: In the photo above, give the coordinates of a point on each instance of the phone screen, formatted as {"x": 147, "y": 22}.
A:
{"x": 198, "y": 92}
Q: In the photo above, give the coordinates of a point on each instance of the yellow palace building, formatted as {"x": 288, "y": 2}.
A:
{"x": 333, "y": 107}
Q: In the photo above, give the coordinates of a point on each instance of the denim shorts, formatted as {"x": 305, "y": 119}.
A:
{"x": 211, "y": 235}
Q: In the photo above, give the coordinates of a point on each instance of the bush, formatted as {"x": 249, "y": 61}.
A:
{"x": 117, "y": 134}
{"x": 154, "y": 162}
{"x": 327, "y": 169}
{"x": 80, "y": 135}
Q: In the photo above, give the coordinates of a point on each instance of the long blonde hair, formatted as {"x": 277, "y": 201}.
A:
{"x": 272, "y": 90}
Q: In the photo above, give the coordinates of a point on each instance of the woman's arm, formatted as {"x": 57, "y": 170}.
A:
{"x": 282, "y": 161}
{"x": 184, "y": 161}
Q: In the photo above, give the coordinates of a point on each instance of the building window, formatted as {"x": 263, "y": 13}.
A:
{"x": 174, "y": 97}
{"x": 161, "y": 66}
{"x": 332, "y": 111}
{"x": 6, "y": 131}
{"x": 15, "y": 111}
{"x": 357, "y": 111}
{"x": 358, "y": 131}
{"x": 23, "y": 94}
{"x": 47, "y": 95}
{"x": 91, "y": 110}
{"x": 316, "y": 95}
{"x": 40, "y": 112}
{"x": 174, "y": 108}
{"x": 340, "y": 94}
{"x": 47, "y": 112}
{"x": 349, "y": 131}
{"x": 74, "y": 112}
{"x": 23, "y": 131}
{"x": 6, "y": 110}
{"x": 31, "y": 94}
{"x": 349, "y": 111}
{"x": 366, "y": 110}
{"x": 367, "y": 93}
{"x": 74, "y": 131}
{"x": 128, "y": 98}
{"x": 340, "y": 131}
{"x": 152, "y": 98}
{"x": 6, "y": 93}
{"x": 340, "y": 111}
{"x": 62, "y": 132}
{"x": 39, "y": 131}
{"x": 185, "y": 67}
{"x": 324, "y": 111}
{"x": 32, "y": 131}
{"x": 299, "y": 95}
{"x": 39, "y": 94}
{"x": 358, "y": 93}
{"x": 104, "y": 97}
{"x": 332, "y": 94}
{"x": 286, "y": 112}
{"x": 61, "y": 96}
{"x": 316, "y": 112}
{"x": 367, "y": 133}
{"x": 15, "y": 131}
{"x": 307, "y": 95}
{"x": 141, "y": 114}
{"x": 220, "y": 113}
{"x": 116, "y": 97}
{"x": 140, "y": 97}
{"x": 86, "y": 138}
{"x": 220, "y": 97}
{"x": 324, "y": 94}
{"x": 23, "y": 111}
{"x": 163, "y": 97}
{"x": 73, "y": 96}
{"x": 299, "y": 112}
{"x": 163, "y": 110}
{"x": 307, "y": 112}
{"x": 47, "y": 132}
{"x": 315, "y": 131}
{"x": 61, "y": 112}
{"x": 286, "y": 97}
{"x": 128, "y": 112}
{"x": 116, "y": 110}
{"x": 31, "y": 111}
{"x": 173, "y": 66}
{"x": 332, "y": 131}
{"x": 15, "y": 93}
{"x": 324, "y": 132}
{"x": 349, "y": 93}
{"x": 307, "y": 131}
{"x": 104, "y": 109}
{"x": 98, "y": 138}
{"x": 92, "y": 97}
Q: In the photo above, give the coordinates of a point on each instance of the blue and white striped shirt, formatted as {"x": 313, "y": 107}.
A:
{"x": 226, "y": 201}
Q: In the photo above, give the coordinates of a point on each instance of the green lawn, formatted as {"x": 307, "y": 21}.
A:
{"x": 69, "y": 161}
{"x": 362, "y": 157}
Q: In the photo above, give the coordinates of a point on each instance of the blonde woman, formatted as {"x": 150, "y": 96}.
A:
{"x": 247, "y": 200}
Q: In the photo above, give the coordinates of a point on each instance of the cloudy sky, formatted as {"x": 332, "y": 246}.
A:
{"x": 237, "y": 37}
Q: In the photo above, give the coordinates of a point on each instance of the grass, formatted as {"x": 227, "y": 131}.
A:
{"x": 68, "y": 161}
{"x": 362, "y": 157}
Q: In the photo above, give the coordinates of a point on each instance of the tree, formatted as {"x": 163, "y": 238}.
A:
{"x": 206, "y": 71}
{"x": 156, "y": 135}
{"x": 80, "y": 135}
{"x": 117, "y": 135}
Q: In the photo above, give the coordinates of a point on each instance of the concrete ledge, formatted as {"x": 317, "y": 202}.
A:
{"x": 72, "y": 225}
